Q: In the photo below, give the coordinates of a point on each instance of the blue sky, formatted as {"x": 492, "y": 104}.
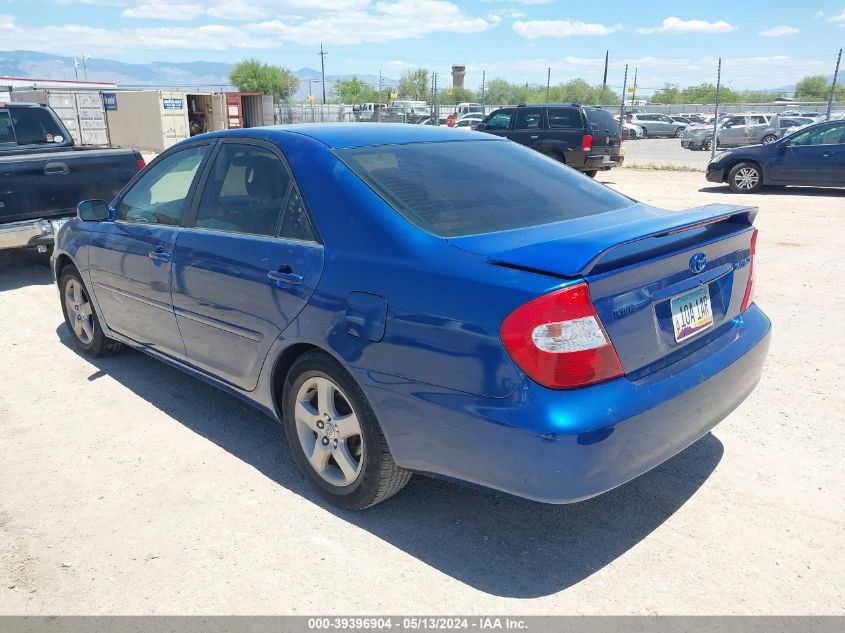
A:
{"x": 764, "y": 44}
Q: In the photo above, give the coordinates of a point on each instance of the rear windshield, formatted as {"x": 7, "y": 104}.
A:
{"x": 34, "y": 126}
{"x": 603, "y": 119}
{"x": 469, "y": 187}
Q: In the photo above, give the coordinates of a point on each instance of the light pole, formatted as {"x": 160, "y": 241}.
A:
{"x": 85, "y": 58}
{"x": 323, "y": 70}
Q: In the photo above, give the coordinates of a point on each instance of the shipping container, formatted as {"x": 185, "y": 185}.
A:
{"x": 153, "y": 120}
{"x": 80, "y": 110}
{"x": 233, "y": 110}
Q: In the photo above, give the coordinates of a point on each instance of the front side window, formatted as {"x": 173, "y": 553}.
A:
{"x": 502, "y": 186}
{"x": 735, "y": 121}
{"x": 160, "y": 195}
{"x": 7, "y": 134}
{"x": 244, "y": 192}
{"x": 500, "y": 120}
{"x": 825, "y": 135}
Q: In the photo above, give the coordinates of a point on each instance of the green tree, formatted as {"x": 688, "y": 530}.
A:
{"x": 413, "y": 85}
{"x": 669, "y": 93}
{"x": 354, "y": 91}
{"x": 817, "y": 88}
{"x": 451, "y": 96}
{"x": 251, "y": 75}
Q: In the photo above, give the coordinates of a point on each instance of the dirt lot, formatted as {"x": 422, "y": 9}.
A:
{"x": 128, "y": 487}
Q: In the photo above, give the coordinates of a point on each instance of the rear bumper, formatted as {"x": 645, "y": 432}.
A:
{"x": 28, "y": 233}
{"x": 564, "y": 446}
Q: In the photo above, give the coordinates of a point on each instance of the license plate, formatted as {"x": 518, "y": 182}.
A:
{"x": 691, "y": 313}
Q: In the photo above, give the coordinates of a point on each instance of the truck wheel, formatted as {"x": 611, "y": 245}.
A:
{"x": 334, "y": 435}
{"x": 81, "y": 319}
{"x": 745, "y": 178}
{"x": 768, "y": 139}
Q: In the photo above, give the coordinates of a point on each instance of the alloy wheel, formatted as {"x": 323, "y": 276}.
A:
{"x": 79, "y": 311}
{"x": 329, "y": 431}
{"x": 746, "y": 178}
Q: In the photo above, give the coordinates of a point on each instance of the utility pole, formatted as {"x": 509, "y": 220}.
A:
{"x": 604, "y": 81}
{"x": 715, "y": 142}
{"x": 548, "y": 82}
{"x": 380, "y": 82}
{"x": 634, "y": 91}
{"x": 483, "y": 95}
{"x": 622, "y": 107}
{"x": 323, "y": 70}
{"x": 85, "y": 58}
{"x": 76, "y": 68}
{"x": 833, "y": 86}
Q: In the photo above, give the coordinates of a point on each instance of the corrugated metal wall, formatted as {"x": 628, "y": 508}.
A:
{"x": 81, "y": 111}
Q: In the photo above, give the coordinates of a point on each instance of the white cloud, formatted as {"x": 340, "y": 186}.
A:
{"x": 677, "y": 25}
{"x": 385, "y": 21}
{"x": 838, "y": 20}
{"x": 533, "y": 29}
{"x": 235, "y": 10}
{"x": 165, "y": 10}
{"x": 779, "y": 31}
{"x": 528, "y": 2}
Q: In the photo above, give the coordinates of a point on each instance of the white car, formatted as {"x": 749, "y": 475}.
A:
{"x": 469, "y": 120}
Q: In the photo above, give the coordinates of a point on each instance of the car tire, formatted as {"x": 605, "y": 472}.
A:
{"x": 707, "y": 144}
{"x": 745, "y": 178}
{"x": 334, "y": 436}
{"x": 591, "y": 173}
{"x": 645, "y": 133}
{"x": 768, "y": 139}
{"x": 81, "y": 318}
{"x": 679, "y": 132}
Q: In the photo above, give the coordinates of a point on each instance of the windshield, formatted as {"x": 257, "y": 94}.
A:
{"x": 501, "y": 186}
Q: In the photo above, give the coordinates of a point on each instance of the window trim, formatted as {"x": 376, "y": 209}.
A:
{"x": 191, "y": 217}
{"x": 191, "y": 195}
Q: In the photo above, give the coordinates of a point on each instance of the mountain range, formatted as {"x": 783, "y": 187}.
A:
{"x": 202, "y": 76}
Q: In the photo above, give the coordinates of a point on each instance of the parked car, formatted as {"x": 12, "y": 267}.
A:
{"x": 468, "y": 108}
{"x": 733, "y": 130}
{"x": 812, "y": 156}
{"x": 521, "y": 328}
{"x": 44, "y": 175}
{"x": 788, "y": 125}
{"x": 694, "y": 117}
{"x": 469, "y": 121}
{"x": 681, "y": 119}
{"x": 583, "y": 137}
{"x": 655, "y": 124}
{"x": 629, "y": 130}
{"x": 373, "y": 112}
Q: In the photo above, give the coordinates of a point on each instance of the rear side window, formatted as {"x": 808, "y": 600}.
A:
{"x": 565, "y": 119}
{"x": 528, "y": 119}
{"x": 825, "y": 135}
{"x": 295, "y": 224}
{"x": 36, "y": 126}
{"x": 500, "y": 120}
{"x": 244, "y": 192}
{"x": 503, "y": 186}
{"x": 7, "y": 134}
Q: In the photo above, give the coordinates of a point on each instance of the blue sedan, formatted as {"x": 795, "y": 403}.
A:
{"x": 812, "y": 156}
{"x": 418, "y": 299}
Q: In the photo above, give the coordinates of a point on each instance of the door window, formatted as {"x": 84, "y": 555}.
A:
{"x": 735, "y": 121}
{"x": 159, "y": 196}
{"x": 244, "y": 192}
{"x": 7, "y": 134}
{"x": 500, "y": 120}
{"x": 565, "y": 119}
{"x": 757, "y": 120}
{"x": 828, "y": 135}
{"x": 528, "y": 119}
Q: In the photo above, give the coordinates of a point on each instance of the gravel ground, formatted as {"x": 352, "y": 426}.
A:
{"x": 127, "y": 487}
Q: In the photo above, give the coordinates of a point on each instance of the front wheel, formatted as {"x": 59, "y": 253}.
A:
{"x": 334, "y": 435}
{"x": 768, "y": 139}
{"x": 707, "y": 144}
{"x": 80, "y": 317}
{"x": 745, "y": 178}
{"x": 679, "y": 132}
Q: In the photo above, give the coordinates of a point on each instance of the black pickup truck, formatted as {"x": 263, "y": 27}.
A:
{"x": 43, "y": 175}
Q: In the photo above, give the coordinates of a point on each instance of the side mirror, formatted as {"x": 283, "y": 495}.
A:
{"x": 93, "y": 210}
{"x": 481, "y": 126}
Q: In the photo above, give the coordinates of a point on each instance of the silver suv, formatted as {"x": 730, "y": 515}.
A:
{"x": 734, "y": 130}
{"x": 656, "y": 124}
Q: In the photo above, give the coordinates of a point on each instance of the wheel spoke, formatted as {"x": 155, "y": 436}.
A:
{"x": 347, "y": 426}
{"x": 77, "y": 327}
{"x": 347, "y": 463}
{"x": 305, "y": 414}
{"x": 87, "y": 328}
{"x": 325, "y": 398}
{"x": 319, "y": 457}
{"x": 85, "y": 309}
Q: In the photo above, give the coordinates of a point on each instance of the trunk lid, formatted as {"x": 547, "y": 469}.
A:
{"x": 636, "y": 261}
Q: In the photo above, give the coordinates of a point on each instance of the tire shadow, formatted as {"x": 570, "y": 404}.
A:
{"x": 499, "y": 545}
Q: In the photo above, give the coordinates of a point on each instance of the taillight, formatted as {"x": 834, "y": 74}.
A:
{"x": 558, "y": 340}
{"x": 140, "y": 163}
{"x": 749, "y": 287}
{"x": 587, "y": 142}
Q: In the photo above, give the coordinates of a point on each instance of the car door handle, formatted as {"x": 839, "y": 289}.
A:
{"x": 535, "y": 136}
{"x": 285, "y": 275}
{"x": 827, "y": 154}
{"x": 159, "y": 256}
{"x": 56, "y": 167}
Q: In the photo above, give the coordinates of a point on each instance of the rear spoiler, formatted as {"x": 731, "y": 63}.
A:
{"x": 673, "y": 223}
{"x": 574, "y": 248}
